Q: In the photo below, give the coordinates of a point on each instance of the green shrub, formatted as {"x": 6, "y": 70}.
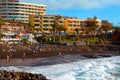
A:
{"x": 93, "y": 39}
{"x": 24, "y": 41}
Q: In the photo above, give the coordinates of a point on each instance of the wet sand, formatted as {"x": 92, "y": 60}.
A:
{"x": 58, "y": 59}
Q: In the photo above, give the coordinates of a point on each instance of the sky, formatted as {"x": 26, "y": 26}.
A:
{"x": 102, "y": 9}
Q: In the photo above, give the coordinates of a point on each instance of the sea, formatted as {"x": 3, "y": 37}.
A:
{"x": 76, "y": 69}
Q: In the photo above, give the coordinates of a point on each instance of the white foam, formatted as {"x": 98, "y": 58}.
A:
{"x": 94, "y": 69}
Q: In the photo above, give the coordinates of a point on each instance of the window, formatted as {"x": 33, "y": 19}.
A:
{"x": 36, "y": 20}
{"x": 36, "y": 24}
{"x": 45, "y": 28}
{"x": 36, "y": 16}
{"x": 45, "y": 21}
{"x": 52, "y": 21}
{"x": 45, "y": 25}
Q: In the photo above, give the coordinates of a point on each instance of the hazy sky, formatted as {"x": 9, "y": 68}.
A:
{"x": 103, "y": 9}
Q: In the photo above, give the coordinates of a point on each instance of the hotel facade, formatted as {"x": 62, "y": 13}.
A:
{"x": 72, "y": 24}
{"x": 45, "y": 22}
{"x": 14, "y": 9}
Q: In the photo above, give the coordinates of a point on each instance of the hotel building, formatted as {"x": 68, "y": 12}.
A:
{"x": 44, "y": 22}
{"x": 20, "y": 11}
{"x": 72, "y": 24}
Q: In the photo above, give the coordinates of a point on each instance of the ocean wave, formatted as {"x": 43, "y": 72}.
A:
{"x": 90, "y": 69}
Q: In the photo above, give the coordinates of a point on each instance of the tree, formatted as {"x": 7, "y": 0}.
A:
{"x": 116, "y": 34}
{"x": 106, "y": 28}
{"x": 64, "y": 29}
{"x": 24, "y": 41}
{"x": 55, "y": 25}
{"x": 87, "y": 31}
{"x": 20, "y": 24}
{"x": 77, "y": 31}
{"x": 60, "y": 29}
{"x": 13, "y": 23}
{"x": 25, "y": 25}
{"x": 91, "y": 23}
{"x": 30, "y": 27}
{"x": 1, "y": 23}
{"x": 37, "y": 29}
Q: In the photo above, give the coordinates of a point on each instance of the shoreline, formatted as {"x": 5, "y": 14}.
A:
{"x": 26, "y": 68}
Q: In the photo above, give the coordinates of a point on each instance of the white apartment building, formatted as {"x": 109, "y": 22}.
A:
{"x": 14, "y": 9}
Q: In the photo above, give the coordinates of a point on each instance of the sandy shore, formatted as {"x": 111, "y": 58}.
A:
{"x": 49, "y": 55}
{"x": 58, "y": 59}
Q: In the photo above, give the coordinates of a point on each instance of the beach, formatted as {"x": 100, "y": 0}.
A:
{"x": 61, "y": 62}
{"x": 106, "y": 68}
{"x": 51, "y": 54}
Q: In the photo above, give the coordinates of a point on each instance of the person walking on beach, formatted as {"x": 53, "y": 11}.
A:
{"x": 34, "y": 52}
{"x": 23, "y": 56}
{"x": 10, "y": 52}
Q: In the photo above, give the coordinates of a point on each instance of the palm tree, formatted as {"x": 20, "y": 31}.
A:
{"x": 91, "y": 23}
{"x": 56, "y": 24}
{"x": 1, "y": 34}
{"x": 64, "y": 29}
{"x": 37, "y": 29}
{"x": 13, "y": 23}
{"x": 82, "y": 31}
{"x": 20, "y": 24}
{"x": 1, "y": 22}
{"x": 77, "y": 31}
{"x": 54, "y": 27}
{"x": 30, "y": 27}
{"x": 106, "y": 28}
{"x": 60, "y": 29}
{"x": 51, "y": 31}
{"x": 86, "y": 32}
{"x": 25, "y": 26}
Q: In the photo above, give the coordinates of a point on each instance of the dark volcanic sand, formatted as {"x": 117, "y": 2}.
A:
{"x": 52, "y": 53}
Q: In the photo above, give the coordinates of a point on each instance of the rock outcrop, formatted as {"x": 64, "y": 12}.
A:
{"x": 11, "y": 75}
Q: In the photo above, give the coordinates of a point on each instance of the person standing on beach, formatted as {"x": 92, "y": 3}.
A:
{"x": 61, "y": 54}
{"x": 74, "y": 43}
{"x": 8, "y": 59}
{"x": 35, "y": 49}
